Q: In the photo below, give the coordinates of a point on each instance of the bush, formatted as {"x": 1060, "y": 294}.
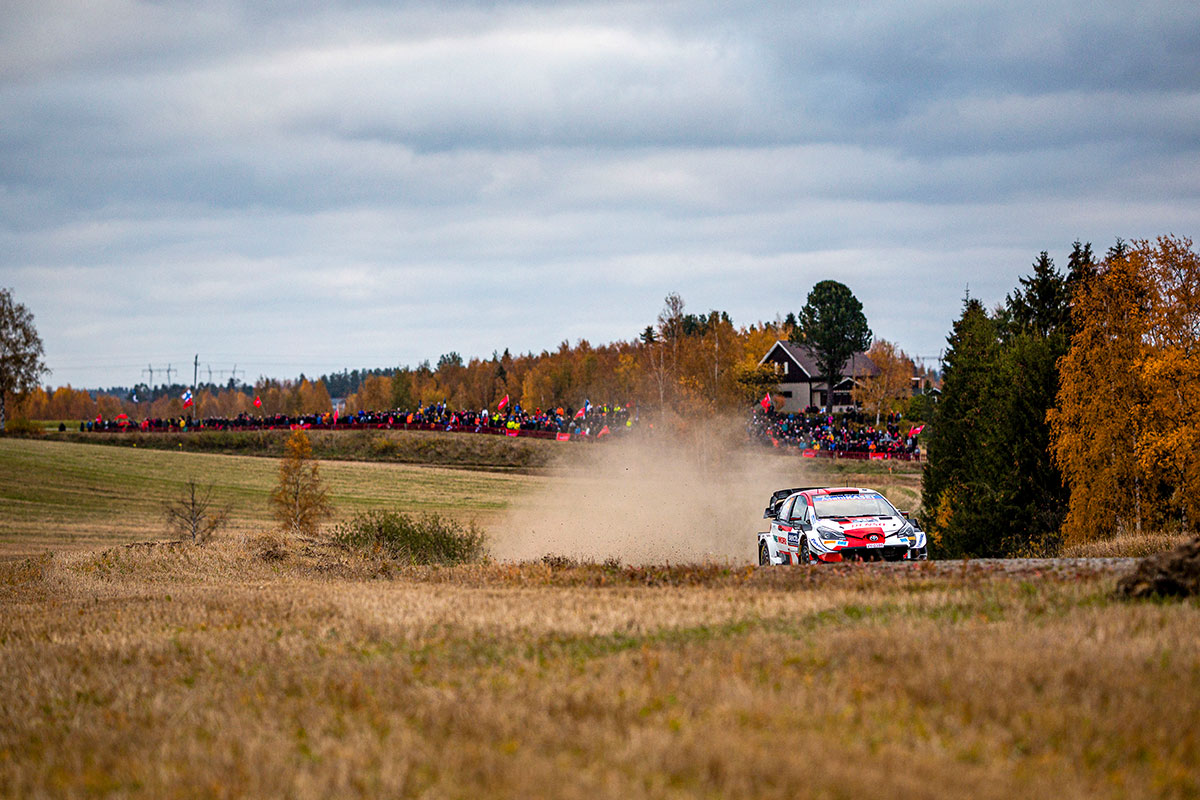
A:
{"x": 19, "y": 426}
{"x": 424, "y": 539}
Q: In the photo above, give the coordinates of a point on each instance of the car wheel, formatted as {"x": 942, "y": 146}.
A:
{"x": 764, "y": 555}
{"x": 805, "y": 553}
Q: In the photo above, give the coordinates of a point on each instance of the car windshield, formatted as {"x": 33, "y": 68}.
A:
{"x": 852, "y": 505}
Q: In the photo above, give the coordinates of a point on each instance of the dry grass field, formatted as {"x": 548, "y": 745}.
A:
{"x": 229, "y": 671}
{"x": 258, "y": 666}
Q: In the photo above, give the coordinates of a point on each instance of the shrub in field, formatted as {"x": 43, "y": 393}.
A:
{"x": 193, "y": 515}
{"x": 24, "y": 427}
{"x": 424, "y": 539}
{"x": 299, "y": 501}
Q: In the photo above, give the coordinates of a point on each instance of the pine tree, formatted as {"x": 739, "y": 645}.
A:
{"x": 1031, "y": 497}
{"x": 833, "y": 327}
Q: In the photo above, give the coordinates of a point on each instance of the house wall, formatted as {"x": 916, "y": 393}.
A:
{"x": 792, "y": 397}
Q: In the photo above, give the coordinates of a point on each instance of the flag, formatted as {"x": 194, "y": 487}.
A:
{"x": 917, "y": 430}
{"x": 603, "y": 432}
{"x": 135, "y": 397}
{"x": 187, "y": 398}
{"x": 580, "y": 412}
{"x": 257, "y": 401}
{"x": 587, "y": 406}
{"x": 503, "y": 403}
{"x": 766, "y": 402}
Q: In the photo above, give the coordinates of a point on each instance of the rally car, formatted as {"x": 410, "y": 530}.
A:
{"x": 810, "y": 525}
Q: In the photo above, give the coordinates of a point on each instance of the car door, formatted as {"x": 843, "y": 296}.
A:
{"x": 783, "y": 527}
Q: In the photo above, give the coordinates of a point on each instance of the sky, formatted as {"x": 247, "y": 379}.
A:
{"x": 300, "y": 187}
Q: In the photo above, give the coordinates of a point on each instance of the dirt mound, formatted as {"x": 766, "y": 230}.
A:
{"x": 1175, "y": 573}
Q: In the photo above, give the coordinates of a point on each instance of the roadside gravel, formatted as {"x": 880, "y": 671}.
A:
{"x": 1032, "y": 566}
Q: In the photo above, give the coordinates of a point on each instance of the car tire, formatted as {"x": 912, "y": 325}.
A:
{"x": 805, "y": 554}
{"x": 764, "y": 555}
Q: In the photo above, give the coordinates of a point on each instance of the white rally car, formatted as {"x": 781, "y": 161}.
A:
{"x": 810, "y": 525}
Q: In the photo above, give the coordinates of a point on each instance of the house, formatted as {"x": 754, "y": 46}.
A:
{"x": 800, "y": 382}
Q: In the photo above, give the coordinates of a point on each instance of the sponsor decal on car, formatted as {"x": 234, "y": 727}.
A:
{"x": 793, "y": 539}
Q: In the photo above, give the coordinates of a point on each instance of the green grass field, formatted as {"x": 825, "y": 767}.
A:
{"x": 57, "y": 495}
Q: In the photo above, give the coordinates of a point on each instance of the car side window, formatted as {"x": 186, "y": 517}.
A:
{"x": 801, "y": 512}
{"x": 785, "y": 510}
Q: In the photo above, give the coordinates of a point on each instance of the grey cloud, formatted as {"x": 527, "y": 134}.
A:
{"x": 389, "y": 170}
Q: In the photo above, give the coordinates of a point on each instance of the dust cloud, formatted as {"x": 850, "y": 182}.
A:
{"x": 654, "y": 497}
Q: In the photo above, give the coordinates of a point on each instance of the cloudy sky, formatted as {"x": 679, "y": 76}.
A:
{"x": 324, "y": 185}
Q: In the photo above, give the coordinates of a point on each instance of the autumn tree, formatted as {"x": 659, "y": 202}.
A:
{"x": 374, "y": 394}
{"x": 1095, "y": 421}
{"x": 21, "y": 365}
{"x": 402, "y": 390}
{"x": 1168, "y": 447}
{"x": 300, "y": 500}
{"x": 833, "y": 327}
{"x": 888, "y": 390}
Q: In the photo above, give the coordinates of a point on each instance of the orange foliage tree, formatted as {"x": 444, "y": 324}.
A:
{"x": 300, "y": 500}
{"x": 892, "y": 387}
{"x": 1126, "y": 427}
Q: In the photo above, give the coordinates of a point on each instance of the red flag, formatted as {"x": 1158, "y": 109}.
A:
{"x": 503, "y": 403}
{"x": 579, "y": 413}
{"x": 187, "y": 398}
{"x": 257, "y": 401}
{"x": 766, "y": 402}
{"x": 915, "y": 431}
{"x": 603, "y": 432}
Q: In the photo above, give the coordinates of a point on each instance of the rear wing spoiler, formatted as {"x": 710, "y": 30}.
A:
{"x": 779, "y": 496}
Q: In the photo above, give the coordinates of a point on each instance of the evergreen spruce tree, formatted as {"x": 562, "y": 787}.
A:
{"x": 1031, "y": 499}
{"x": 956, "y": 486}
{"x": 991, "y": 486}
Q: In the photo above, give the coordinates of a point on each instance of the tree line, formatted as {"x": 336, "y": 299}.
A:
{"x": 1071, "y": 412}
{"x": 687, "y": 363}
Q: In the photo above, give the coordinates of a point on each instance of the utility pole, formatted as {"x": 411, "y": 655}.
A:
{"x": 150, "y": 369}
{"x": 195, "y": 374}
{"x": 209, "y": 374}
{"x": 169, "y": 370}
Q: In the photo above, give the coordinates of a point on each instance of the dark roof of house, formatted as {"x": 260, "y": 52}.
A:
{"x": 858, "y": 365}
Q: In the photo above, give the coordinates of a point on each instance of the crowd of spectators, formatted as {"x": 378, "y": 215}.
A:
{"x": 588, "y": 421}
{"x": 843, "y": 433}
